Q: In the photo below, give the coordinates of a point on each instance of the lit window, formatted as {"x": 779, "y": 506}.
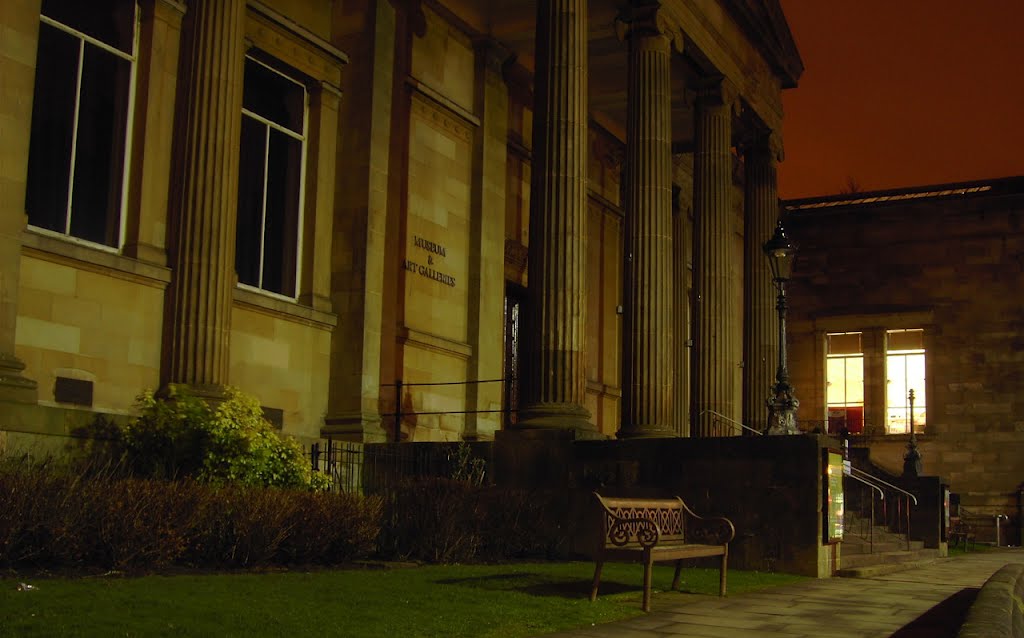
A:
{"x": 904, "y": 368}
{"x": 270, "y": 192}
{"x": 844, "y": 382}
{"x": 81, "y": 119}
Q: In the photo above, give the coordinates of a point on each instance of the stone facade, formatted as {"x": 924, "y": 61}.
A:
{"x": 945, "y": 259}
{"x": 316, "y": 201}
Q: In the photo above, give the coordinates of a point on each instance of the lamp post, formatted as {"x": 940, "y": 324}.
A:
{"x": 782, "y": 405}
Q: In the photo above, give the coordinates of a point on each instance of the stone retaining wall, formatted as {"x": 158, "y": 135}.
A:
{"x": 998, "y": 611}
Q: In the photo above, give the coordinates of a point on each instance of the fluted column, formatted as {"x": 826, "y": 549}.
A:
{"x": 199, "y": 308}
{"x": 18, "y": 69}
{"x": 647, "y": 334}
{"x": 717, "y": 325}
{"x": 761, "y": 328}
{"x": 554, "y": 379}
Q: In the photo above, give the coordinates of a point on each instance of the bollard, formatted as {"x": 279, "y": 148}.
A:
{"x": 999, "y": 521}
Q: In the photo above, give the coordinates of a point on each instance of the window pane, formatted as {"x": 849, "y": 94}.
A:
{"x": 249, "y": 227}
{"x": 282, "y": 216}
{"x": 905, "y": 339}
{"x": 855, "y": 380}
{"x": 273, "y": 96}
{"x": 844, "y": 343}
{"x": 835, "y": 374}
{"x": 109, "y": 21}
{"x": 53, "y": 112}
{"x": 99, "y": 156}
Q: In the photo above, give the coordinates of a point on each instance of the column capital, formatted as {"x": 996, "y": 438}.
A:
{"x": 649, "y": 20}
{"x": 764, "y": 143}
{"x": 717, "y": 90}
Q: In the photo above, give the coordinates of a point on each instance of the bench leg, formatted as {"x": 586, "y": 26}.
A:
{"x": 725, "y": 561}
{"x": 675, "y": 579}
{"x": 597, "y": 580}
{"x": 648, "y": 573}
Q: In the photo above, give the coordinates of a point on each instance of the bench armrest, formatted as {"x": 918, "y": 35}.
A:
{"x": 644, "y": 529}
{"x": 713, "y": 530}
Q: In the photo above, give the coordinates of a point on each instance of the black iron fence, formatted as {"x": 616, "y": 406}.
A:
{"x": 374, "y": 468}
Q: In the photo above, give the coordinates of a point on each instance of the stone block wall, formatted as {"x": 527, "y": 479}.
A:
{"x": 949, "y": 260}
{"x": 89, "y": 322}
{"x": 770, "y": 487}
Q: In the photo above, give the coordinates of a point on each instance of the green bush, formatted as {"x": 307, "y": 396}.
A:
{"x": 229, "y": 441}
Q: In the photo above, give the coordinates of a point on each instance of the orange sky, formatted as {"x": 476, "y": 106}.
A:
{"x": 903, "y": 93}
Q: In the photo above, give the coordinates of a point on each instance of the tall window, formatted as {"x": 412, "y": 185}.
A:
{"x": 272, "y": 167}
{"x": 844, "y": 381}
{"x": 904, "y": 370}
{"x": 81, "y": 119}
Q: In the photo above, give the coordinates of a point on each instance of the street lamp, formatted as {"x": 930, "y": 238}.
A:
{"x": 782, "y": 404}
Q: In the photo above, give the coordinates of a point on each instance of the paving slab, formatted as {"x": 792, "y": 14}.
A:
{"x": 924, "y": 600}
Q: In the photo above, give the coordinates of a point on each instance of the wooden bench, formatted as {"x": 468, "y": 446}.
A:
{"x": 655, "y": 530}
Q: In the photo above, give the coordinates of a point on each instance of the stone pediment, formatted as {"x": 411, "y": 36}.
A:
{"x": 765, "y": 24}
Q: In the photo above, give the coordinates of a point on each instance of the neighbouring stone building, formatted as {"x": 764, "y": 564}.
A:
{"x": 916, "y": 289}
{"x": 313, "y": 199}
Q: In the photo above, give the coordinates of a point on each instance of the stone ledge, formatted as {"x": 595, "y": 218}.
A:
{"x": 77, "y": 254}
{"x": 998, "y": 611}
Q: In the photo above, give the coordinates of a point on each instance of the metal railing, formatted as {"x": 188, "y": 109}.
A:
{"x": 871, "y": 526}
{"x": 374, "y": 468}
{"x": 734, "y": 426}
{"x": 401, "y": 413}
{"x": 895, "y": 502}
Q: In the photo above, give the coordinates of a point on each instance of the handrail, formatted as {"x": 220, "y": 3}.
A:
{"x": 881, "y": 494}
{"x": 871, "y": 528}
{"x": 885, "y": 483}
{"x": 733, "y": 421}
{"x": 874, "y": 481}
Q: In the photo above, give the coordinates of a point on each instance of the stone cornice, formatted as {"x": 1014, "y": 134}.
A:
{"x": 765, "y": 23}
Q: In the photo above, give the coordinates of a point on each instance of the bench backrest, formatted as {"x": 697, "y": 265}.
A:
{"x": 666, "y": 512}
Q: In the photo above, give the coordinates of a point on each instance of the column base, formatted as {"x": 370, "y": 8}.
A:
{"x": 557, "y": 416}
{"x": 538, "y": 458}
{"x": 14, "y": 386}
{"x": 358, "y": 427}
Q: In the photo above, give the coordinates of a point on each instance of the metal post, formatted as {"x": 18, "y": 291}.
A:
{"x": 910, "y": 397}
{"x": 782, "y": 405}
{"x": 398, "y": 410}
{"x": 907, "y": 499}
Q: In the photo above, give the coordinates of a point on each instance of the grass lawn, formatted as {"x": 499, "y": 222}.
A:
{"x": 521, "y": 599}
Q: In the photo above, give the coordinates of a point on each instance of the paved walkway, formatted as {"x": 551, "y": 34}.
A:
{"x": 926, "y": 601}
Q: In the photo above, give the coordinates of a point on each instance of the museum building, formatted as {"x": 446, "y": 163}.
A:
{"x": 395, "y": 219}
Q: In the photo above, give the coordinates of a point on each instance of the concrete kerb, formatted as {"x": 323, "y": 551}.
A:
{"x": 998, "y": 611}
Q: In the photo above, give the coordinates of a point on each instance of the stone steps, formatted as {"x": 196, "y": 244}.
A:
{"x": 853, "y": 562}
{"x": 889, "y": 552}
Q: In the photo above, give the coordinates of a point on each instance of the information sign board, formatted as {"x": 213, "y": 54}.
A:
{"x": 834, "y": 470}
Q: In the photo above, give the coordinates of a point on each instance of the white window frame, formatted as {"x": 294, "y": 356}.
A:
{"x": 132, "y": 58}
{"x": 903, "y": 355}
{"x": 303, "y": 157}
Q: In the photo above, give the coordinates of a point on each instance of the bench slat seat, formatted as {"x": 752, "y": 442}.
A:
{"x": 657, "y": 530}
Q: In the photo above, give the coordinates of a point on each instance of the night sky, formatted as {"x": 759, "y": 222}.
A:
{"x": 903, "y": 93}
